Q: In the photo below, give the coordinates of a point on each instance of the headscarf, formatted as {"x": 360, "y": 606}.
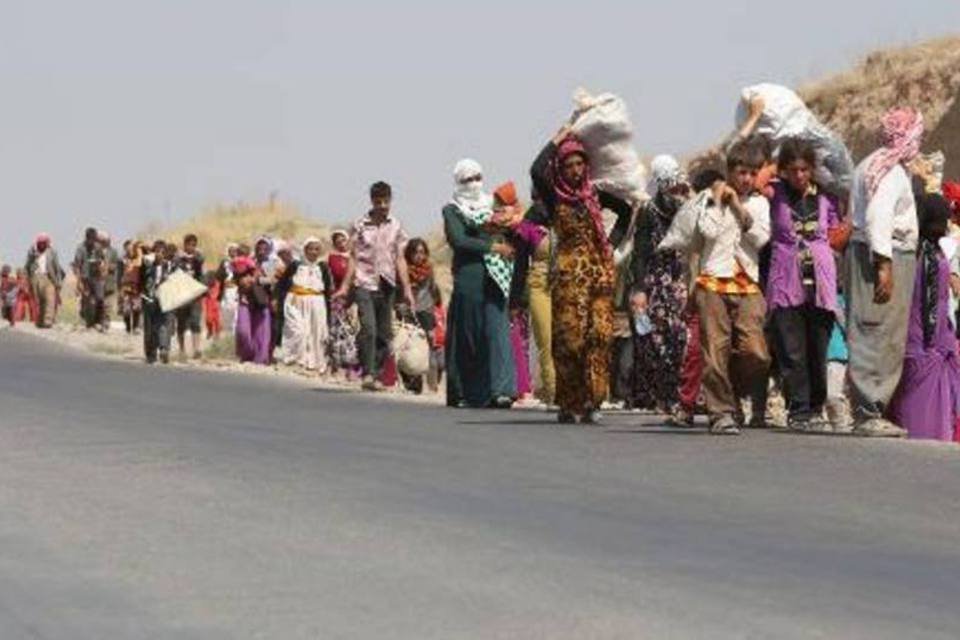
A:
{"x": 900, "y": 132}
{"x": 242, "y": 266}
{"x": 951, "y": 191}
{"x": 933, "y": 213}
{"x": 507, "y": 194}
{"x": 667, "y": 174}
{"x": 470, "y": 196}
{"x": 476, "y": 208}
{"x": 42, "y": 238}
{"x": 303, "y": 249}
{"x": 585, "y": 194}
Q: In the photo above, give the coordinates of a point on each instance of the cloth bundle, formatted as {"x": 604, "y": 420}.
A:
{"x": 603, "y": 125}
{"x": 179, "y": 290}
{"x": 411, "y": 349}
{"x": 785, "y": 115}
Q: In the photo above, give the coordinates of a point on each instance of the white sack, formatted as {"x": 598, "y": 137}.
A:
{"x": 603, "y": 125}
{"x": 785, "y": 115}
{"x": 178, "y": 290}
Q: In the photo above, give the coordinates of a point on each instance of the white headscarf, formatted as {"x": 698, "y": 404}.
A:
{"x": 307, "y": 243}
{"x": 470, "y": 196}
{"x": 666, "y": 173}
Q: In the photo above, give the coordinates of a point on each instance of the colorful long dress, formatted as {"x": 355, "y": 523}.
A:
{"x": 343, "y": 327}
{"x": 927, "y": 401}
{"x": 659, "y": 356}
{"x": 254, "y": 327}
{"x": 582, "y": 294}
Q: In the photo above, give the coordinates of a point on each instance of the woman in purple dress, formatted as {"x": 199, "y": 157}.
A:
{"x": 927, "y": 401}
{"x": 254, "y": 322}
{"x": 802, "y": 284}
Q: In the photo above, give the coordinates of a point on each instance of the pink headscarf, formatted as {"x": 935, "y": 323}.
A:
{"x": 585, "y": 194}
{"x": 43, "y": 238}
{"x": 900, "y": 131}
{"x": 243, "y": 265}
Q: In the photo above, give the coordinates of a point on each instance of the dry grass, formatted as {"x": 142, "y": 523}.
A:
{"x": 925, "y": 76}
{"x": 243, "y": 223}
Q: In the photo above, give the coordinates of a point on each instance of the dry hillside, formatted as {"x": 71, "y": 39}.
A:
{"x": 244, "y": 222}
{"x": 925, "y": 76}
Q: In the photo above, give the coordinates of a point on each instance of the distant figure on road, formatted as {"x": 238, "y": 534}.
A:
{"x": 253, "y": 341}
{"x": 46, "y": 279}
{"x": 131, "y": 285}
{"x": 157, "y": 324}
{"x": 112, "y": 272}
{"x": 89, "y": 269}
{"x": 190, "y": 317}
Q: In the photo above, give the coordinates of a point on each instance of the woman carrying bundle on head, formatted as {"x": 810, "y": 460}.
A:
{"x": 582, "y": 277}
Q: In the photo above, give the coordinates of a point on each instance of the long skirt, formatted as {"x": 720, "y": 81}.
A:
{"x": 520, "y": 344}
{"x": 253, "y": 334}
{"x": 228, "y": 308}
{"x": 479, "y": 356}
{"x": 343, "y": 337}
{"x": 305, "y": 332}
{"x": 582, "y": 343}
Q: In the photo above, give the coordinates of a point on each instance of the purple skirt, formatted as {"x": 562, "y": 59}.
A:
{"x": 253, "y": 334}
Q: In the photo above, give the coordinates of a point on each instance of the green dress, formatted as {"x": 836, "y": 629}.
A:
{"x": 479, "y": 356}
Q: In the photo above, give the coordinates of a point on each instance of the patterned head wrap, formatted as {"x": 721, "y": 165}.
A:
{"x": 666, "y": 173}
{"x": 900, "y": 132}
{"x": 585, "y": 194}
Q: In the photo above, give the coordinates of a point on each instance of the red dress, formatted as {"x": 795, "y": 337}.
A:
{"x": 211, "y": 309}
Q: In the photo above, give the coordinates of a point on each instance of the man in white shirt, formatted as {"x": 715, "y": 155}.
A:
{"x": 880, "y": 270}
{"x": 730, "y": 224}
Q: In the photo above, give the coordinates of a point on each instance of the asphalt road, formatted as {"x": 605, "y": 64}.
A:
{"x": 142, "y": 502}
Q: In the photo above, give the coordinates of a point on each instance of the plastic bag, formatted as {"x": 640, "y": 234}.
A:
{"x": 179, "y": 290}
{"x": 785, "y": 115}
{"x": 603, "y": 125}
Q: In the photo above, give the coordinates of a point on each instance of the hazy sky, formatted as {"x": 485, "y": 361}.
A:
{"x": 119, "y": 112}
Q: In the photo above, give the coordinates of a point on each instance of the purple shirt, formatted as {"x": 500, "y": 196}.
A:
{"x": 785, "y": 283}
{"x": 530, "y": 233}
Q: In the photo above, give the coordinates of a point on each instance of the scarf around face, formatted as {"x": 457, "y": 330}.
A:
{"x": 419, "y": 273}
{"x": 476, "y": 209}
{"x": 585, "y": 195}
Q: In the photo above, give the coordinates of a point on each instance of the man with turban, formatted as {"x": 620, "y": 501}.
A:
{"x": 46, "y": 279}
{"x": 880, "y": 269}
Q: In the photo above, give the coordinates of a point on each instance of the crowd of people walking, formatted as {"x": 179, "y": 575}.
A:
{"x": 785, "y": 269}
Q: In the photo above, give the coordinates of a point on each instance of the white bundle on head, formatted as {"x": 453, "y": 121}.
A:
{"x": 602, "y": 123}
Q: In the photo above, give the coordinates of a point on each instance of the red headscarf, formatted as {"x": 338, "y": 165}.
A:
{"x": 900, "y": 132}
{"x": 583, "y": 195}
{"x": 951, "y": 191}
{"x": 242, "y": 266}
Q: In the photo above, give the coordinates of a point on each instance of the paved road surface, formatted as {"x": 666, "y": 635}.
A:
{"x": 157, "y": 503}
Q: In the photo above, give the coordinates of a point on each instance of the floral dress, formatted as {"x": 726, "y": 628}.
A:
{"x": 343, "y": 325}
{"x": 658, "y": 356}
